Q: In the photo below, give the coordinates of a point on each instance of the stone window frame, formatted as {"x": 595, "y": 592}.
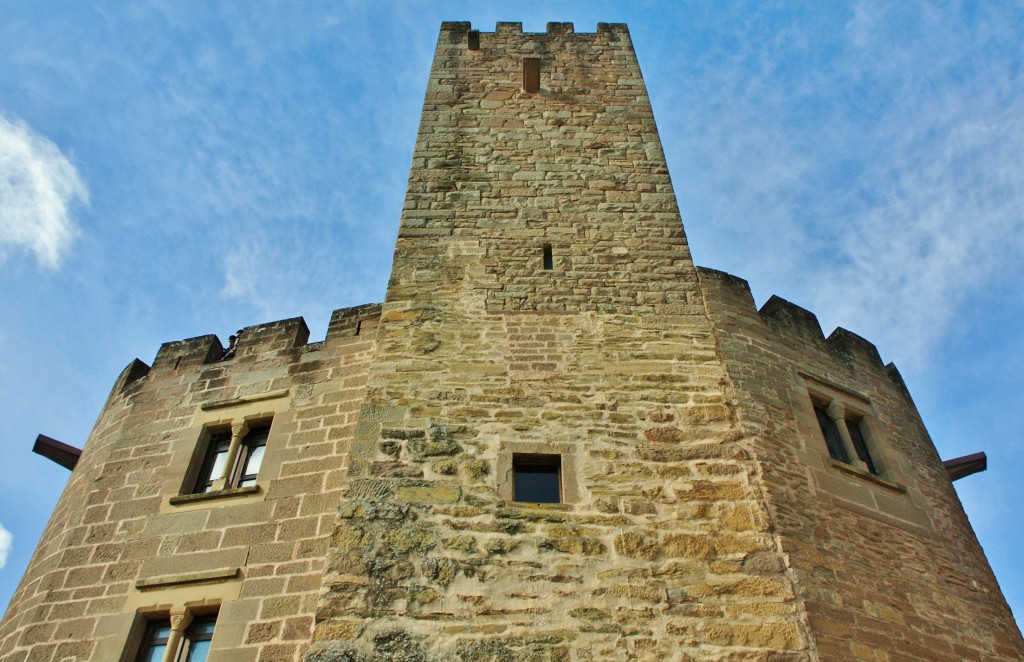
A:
{"x": 238, "y": 453}
{"x": 238, "y": 414}
{"x": 179, "y": 618}
{"x": 568, "y": 478}
{"x": 893, "y": 501}
{"x": 843, "y": 405}
{"x": 186, "y": 590}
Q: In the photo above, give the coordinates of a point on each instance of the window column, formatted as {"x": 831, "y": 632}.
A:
{"x": 238, "y": 432}
{"x": 837, "y": 413}
{"x": 179, "y": 621}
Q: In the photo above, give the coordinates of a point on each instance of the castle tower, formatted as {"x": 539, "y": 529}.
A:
{"x": 544, "y": 313}
{"x": 557, "y": 439}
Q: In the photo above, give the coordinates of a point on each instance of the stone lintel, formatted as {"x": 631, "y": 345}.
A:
{"x": 235, "y": 402}
{"x": 218, "y": 574}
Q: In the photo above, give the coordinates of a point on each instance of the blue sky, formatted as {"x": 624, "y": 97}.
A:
{"x": 173, "y": 169}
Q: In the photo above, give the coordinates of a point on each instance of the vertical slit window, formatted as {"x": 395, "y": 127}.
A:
{"x": 473, "y": 40}
{"x": 214, "y": 462}
{"x": 860, "y": 444}
{"x": 253, "y": 447}
{"x": 531, "y": 74}
{"x": 196, "y": 646}
{"x": 831, "y": 433}
{"x": 549, "y": 262}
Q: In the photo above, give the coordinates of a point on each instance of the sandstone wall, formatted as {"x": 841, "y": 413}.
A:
{"x": 887, "y": 566}
{"x": 663, "y": 548}
{"x": 126, "y": 540}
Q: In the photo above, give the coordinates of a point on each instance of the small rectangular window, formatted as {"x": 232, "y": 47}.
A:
{"x": 531, "y": 74}
{"x": 193, "y": 646}
{"x": 549, "y": 262}
{"x": 232, "y": 461}
{"x": 537, "y": 478}
{"x": 473, "y": 40}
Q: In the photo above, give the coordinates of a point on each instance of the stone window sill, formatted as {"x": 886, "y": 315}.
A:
{"x": 534, "y": 507}
{"x": 868, "y": 476}
{"x": 182, "y": 499}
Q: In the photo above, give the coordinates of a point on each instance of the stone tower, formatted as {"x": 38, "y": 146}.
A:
{"x": 557, "y": 439}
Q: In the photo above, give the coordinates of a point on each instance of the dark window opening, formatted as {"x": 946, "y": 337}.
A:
{"x": 531, "y": 74}
{"x": 251, "y": 457}
{"x": 214, "y": 461}
{"x": 537, "y": 478}
{"x": 549, "y": 262}
{"x": 194, "y": 645}
{"x": 836, "y": 450}
{"x": 230, "y": 462}
{"x": 154, "y": 641}
{"x": 473, "y": 40}
{"x": 860, "y": 444}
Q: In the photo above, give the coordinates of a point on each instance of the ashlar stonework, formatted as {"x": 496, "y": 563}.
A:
{"x": 543, "y": 304}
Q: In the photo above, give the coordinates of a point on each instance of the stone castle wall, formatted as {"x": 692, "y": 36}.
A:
{"x": 127, "y": 538}
{"x": 887, "y": 566}
{"x": 543, "y": 301}
{"x": 662, "y": 549}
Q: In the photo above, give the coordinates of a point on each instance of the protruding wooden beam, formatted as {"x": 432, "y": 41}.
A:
{"x": 959, "y": 467}
{"x": 63, "y": 454}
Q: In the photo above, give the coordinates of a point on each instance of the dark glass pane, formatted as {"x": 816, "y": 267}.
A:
{"x": 831, "y": 433}
{"x": 153, "y": 653}
{"x": 860, "y": 445}
{"x": 213, "y": 463}
{"x": 536, "y": 479}
{"x": 198, "y": 651}
{"x": 202, "y": 628}
{"x": 252, "y": 456}
{"x": 251, "y": 467}
{"x": 154, "y": 641}
{"x": 198, "y": 637}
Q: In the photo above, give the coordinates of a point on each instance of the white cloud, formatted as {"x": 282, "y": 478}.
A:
{"x": 38, "y": 186}
{"x": 883, "y": 188}
{"x": 5, "y": 545}
{"x": 943, "y": 213}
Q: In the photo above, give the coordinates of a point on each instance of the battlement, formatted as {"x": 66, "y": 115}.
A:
{"x": 254, "y": 343}
{"x": 567, "y": 442}
{"x": 554, "y": 28}
{"x": 793, "y": 324}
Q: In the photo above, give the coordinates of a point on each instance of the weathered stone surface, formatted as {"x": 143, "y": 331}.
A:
{"x": 543, "y": 302}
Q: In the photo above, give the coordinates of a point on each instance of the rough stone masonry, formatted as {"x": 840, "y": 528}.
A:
{"x": 543, "y": 309}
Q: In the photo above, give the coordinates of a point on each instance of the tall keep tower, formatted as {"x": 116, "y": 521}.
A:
{"x": 557, "y": 439}
{"x": 544, "y": 315}
{"x": 544, "y": 312}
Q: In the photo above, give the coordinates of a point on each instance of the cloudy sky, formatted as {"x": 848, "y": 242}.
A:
{"x": 168, "y": 171}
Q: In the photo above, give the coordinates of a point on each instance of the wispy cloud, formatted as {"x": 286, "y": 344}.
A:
{"x": 281, "y": 276}
{"x": 38, "y": 187}
{"x": 6, "y": 539}
{"x": 940, "y": 213}
{"x": 913, "y": 128}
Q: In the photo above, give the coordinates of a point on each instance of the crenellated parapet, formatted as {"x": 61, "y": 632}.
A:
{"x": 855, "y": 485}
{"x": 141, "y": 530}
{"x": 791, "y": 325}
{"x": 553, "y": 28}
